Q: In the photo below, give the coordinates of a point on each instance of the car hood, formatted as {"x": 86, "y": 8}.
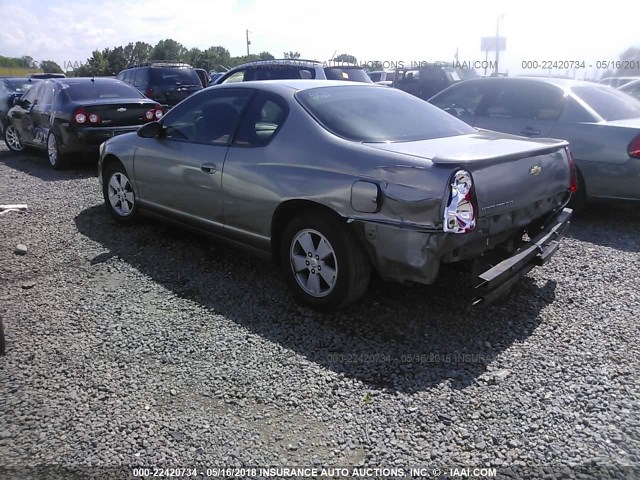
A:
{"x": 485, "y": 146}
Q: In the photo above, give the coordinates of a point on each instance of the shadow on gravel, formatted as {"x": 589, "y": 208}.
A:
{"x": 398, "y": 338}
{"x": 35, "y": 163}
{"x": 614, "y": 225}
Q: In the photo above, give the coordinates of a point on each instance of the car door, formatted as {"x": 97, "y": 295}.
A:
{"x": 248, "y": 188}
{"x": 21, "y": 115}
{"x": 521, "y": 107}
{"x": 178, "y": 174}
{"x": 41, "y": 113}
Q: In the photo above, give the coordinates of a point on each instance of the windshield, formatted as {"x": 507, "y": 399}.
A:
{"x": 174, "y": 76}
{"x": 19, "y": 85}
{"x": 609, "y": 103}
{"x": 379, "y": 114}
{"x": 100, "y": 90}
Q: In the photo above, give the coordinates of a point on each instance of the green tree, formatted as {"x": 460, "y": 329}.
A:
{"x": 632, "y": 55}
{"x": 266, "y": 56}
{"x": 49, "y": 66}
{"x": 137, "y": 53}
{"x": 291, "y": 55}
{"x": 169, "y": 50}
{"x": 345, "y": 58}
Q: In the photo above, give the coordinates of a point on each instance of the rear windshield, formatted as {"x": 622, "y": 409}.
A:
{"x": 19, "y": 85}
{"x": 378, "y": 114}
{"x": 100, "y": 90}
{"x": 609, "y": 103}
{"x": 174, "y": 76}
{"x": 349, "y": 74}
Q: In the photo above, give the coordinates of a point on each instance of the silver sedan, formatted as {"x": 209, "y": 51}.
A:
{"x": 601, "y": 124}
{"x": 333, "y": 179}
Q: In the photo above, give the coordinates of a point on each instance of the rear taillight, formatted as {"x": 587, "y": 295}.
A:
{"x": 153, "y": 114}
{"x": 149, "y": 92}
{"x": 634, "y": 148}
{"x": 93, "y": 118}
{"x": 460, "y": 215}
{"x": 573, "y": 173}
{"x": 79, "y": 116}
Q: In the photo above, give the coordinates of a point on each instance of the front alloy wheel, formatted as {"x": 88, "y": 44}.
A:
{"x": 12, "y": 139}
{"x": 119, "y": 197}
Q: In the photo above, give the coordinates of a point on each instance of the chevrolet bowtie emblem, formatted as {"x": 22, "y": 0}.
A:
{"x": 121, "y": 109}
{"x": 535, "y": 170}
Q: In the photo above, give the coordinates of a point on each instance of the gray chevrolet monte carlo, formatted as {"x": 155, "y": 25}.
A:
{"x": 331, "y": 179}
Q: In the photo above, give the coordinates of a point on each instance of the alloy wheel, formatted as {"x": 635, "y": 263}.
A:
{"x": 313, "y": 262}
{"x": 13, "y": 139}
{"x": 120, "y": 192}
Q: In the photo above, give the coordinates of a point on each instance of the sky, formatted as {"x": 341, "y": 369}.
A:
{"x": 67, "y": 31}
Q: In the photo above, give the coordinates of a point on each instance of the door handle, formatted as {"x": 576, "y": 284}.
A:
{"x": 208, "y": 168}
{"x": 530, "y": 132}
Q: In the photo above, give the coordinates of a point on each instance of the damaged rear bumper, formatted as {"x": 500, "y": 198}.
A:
{"x": 499, "y": 278}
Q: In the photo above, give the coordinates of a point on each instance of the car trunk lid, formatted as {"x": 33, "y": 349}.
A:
{"x": 118, "y": 114}
{"x": 509, "y": 172}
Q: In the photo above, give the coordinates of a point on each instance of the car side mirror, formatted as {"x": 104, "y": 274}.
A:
{"x": 150, "y": 130}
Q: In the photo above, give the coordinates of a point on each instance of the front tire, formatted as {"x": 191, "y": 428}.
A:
{"x": 119, "y": 197}
{"x": 12, "y": 139}
{"x": 56, "y": 158}
{"x": 323, "y": 262}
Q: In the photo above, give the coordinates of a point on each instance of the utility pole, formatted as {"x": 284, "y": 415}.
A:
{"x": 248, "y": 42}
{"x": 497, "y": 42}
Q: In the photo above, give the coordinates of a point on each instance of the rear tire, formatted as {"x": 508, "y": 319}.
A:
{"x": 119, "y": 196}
{"x": 323, "y": 262}
{"x": 55, "y": 156}
{"x": 12, "y": 139}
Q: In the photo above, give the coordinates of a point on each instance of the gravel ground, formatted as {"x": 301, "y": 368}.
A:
{"x": 146, "y": 345}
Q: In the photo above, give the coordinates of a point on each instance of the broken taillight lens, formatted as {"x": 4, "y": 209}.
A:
{"x": 460, "y": 215}
{"x": 573, "y": 173}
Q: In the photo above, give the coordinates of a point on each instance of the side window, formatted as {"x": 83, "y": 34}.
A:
{"x": 375, "y": 77}
{"x": 461, "y": 101}
{"x": 574, "y": 112}
{"x": 235, "y": 77}
{"x": 208, "y": 118}
{"x": 529, "y": 101}
{"x": 140, "y": 77}
{"x": 264, "y": 117}
{"x": 32, "y": 94}
{"x": 46, "y": 96}
{"x": 120, "y": 76}
{"x": 127, "y": 76}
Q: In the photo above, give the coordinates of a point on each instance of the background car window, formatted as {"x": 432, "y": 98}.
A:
{"x": 121, "y": 76}
{"x": 278, "y": 72}
{"x": 32, "y": 94}
{"x": 89, "y": 90}
{"x": 372, "y": 114}
{"x": 127, "y": 76}
{"x": 460, "y": 101}
{"x": 375, "y": 77}
{"x": 19, "y": 86}
{"x": 235, "y": 77}
{"x": 350, "y": 74}
{"x": 574, "y": 112}
{"x": 263, "y": 118}
{"x": 140, "y": 78}
{"x": 530, "y": 101}
{"x": 609, "y": 103}
{"x": 46, "y": 96}
{"x": 174, "y": 76}
{"x": 209, "y": 118}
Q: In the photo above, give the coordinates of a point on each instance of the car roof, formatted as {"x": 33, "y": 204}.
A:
{"x": 564, "y": 83}
{"x": 294, "y": 84}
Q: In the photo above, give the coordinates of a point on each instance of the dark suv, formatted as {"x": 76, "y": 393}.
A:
{"x": 168, "y": 83}
{"x": 288, "y": 69}
{"x": 427, "y": 79}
